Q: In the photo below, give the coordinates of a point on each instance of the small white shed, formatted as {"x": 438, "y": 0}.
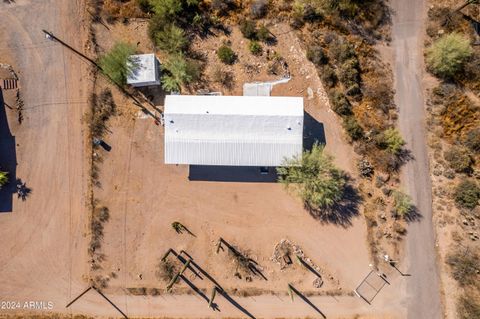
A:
{"x": 145, "y": 71}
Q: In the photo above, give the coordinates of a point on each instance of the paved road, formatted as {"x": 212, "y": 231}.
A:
{"x": 423, "y": 295}
{"x": 42, "y": 247}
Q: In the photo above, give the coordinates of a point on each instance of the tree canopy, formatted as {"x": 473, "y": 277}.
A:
{"x": 3, "y": 178}
{"x": 448, "y": 54}
{"x": 314, "y": 177}
{"x": 116, "y": 65}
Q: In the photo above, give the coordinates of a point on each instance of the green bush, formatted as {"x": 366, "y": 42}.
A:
{"x": 472, "y": 140}
{"x": 248, "y": 29}
{"x": 116, "y": 64}
{"x": 179, "y": 71}
{"x": 314, "y": 177}
{"x": 459, "y": 159}
{"x": 3, "y": 178}
{"x": 348, "y": 72}
{"x": 171, "y": 39}
{"x": 255, "y": 48}
{"x": 402, "y": 204}
{"x": 226, "y": 54}
{"x": 391, "y": 140}
{"x": 351, "y": 126}
{"x": 339, "y": 102}
{"x": 448, "y": 54}
{"x": 316, "y": 54}
{"x": 467, "y": 194}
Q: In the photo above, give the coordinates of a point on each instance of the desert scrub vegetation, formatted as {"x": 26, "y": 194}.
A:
{"x": 226, "y": 54}
{"x": 314, "y": 178}
{"x": 179, "y": 71}
{"x": 116, "y": 64}
{"x": 402, "y": 205}
{"x": 467, "y": 194}
{"x": 459, "y": 158}
{"x": 447, "y": 55}
{"x": 465, "y": 266}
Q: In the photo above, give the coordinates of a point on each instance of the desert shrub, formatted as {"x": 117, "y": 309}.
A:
{"x": 459, "y": 159}
{"x": 166, "y": 271}
{"x": 223, "y": 7}
{"x": 179, "y": 71}
{"x": 353, "y": 129}
{"x": 314, "y": 177}
{"x": 255, "y": 48}
{"x": 402, "y": 204}
{"x": 472, "y": 140}
{"x": 468, "y": 307}
{"x": 391, "y": 140}
{"x": 3, "y": 178}
{"x": 116, "y": 65}
{"x": 103, "y": 107}
{"x": 448, "y": 54}
{"x": 316, "y": 54}
{"x": 248, "y": 29}
{"x": 465, "y": 266}
{"x": 328, "y": 76}
{"x": 171, "y": 39}
{"x": 340, "y": 103}
{"x": 258, "y": 8}
{"x": 348, "y": 72}
{"x": 263, "y": 34}
{"x": 467, "y": 194}
{"x": 365, "y": 168}
{"x": 226, "y": 54}
{"x": 379, "y": 93}
{"x": 166, "y": 9}
{"x": 340, "y": 51}
{"x": 223, "y": 77}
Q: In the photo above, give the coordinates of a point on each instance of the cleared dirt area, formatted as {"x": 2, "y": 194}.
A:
{"x": 43, "y": 249}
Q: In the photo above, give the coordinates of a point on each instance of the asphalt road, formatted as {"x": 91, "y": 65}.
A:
{"x": 423, "y": 288}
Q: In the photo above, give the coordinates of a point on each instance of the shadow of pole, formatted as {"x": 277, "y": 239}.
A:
{"x": 309, "y": 267}
{"x": 236, "y": 304}
{"x": 298, "y": 293}
{"x": 110, "y": 302}
{"x": 214, "y": 306}
{"x": 78, "y": 297}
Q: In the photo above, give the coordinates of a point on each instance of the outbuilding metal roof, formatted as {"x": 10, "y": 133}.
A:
{"x": 145, "y": 71}
{"x": 232, "y": 130}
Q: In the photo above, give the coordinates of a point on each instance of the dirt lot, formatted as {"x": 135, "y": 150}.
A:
{"x": 43, "y": 238}
{"x": 145, "y": 196}
{"x": 45, "y": 252}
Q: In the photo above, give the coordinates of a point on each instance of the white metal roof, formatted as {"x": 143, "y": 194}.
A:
{"x": 145, "y": 71}
{"x": 232, "y": 130}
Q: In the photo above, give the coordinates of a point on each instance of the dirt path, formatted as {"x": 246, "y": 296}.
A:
{"x": 423, "y": 296}
{"x": 42, "y": 247}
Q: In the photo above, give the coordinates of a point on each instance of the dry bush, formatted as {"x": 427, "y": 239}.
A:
{"x": 459, "y": 159}
{"x": 222, "y": 76}
{"x": 166, "y": 271}
{"x": 465, "y": 266}
{"x": 103, "y": 107}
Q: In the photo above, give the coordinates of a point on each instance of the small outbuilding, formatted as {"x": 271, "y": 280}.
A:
{"x": 145, "y": 70}
{"x": 232, "y": 130}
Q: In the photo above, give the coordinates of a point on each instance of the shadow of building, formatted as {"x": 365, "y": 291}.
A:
{"x": 246, "y": 174}
{"x": 313, "y": 131}
{"x": 8, "y": 160}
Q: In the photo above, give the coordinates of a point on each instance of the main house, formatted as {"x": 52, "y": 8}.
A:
{"x": 232, "y": 130}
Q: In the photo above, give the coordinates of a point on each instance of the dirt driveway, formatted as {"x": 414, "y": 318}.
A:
{"x": 423, "y": 297}
{"x": 42, "y": 239}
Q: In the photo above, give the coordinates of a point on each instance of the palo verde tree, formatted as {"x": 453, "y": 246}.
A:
{"x": 314, "y": 177}
{"x": 448, "y": 54}
{"x": 116, "y": 63}
{"x": 179, "y": 71}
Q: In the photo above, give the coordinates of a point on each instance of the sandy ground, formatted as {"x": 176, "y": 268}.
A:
{"x": 423, "y": 295}
{"x": 43, "y": 248}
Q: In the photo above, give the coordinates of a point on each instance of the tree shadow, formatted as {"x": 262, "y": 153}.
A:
{"x": 342, "y": 212}
{"x": 8, "y": 160}
{"x": 23, "y": 191}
